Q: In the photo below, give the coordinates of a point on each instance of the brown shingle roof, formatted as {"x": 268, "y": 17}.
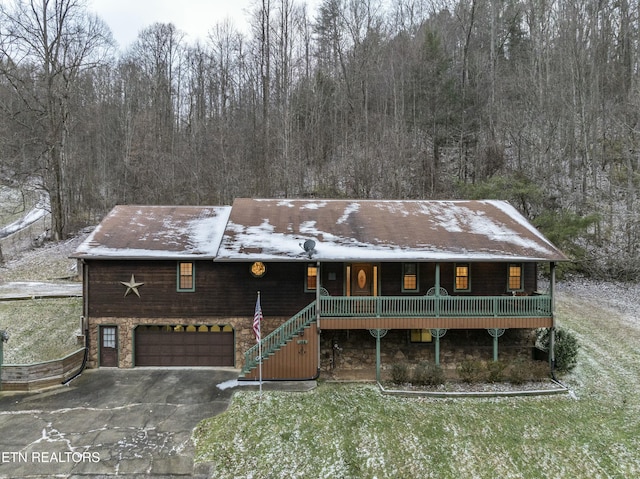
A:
{"x": 376, "y": 230}
{"x": 151, "y": 232}
{"x": 343, "y": 230}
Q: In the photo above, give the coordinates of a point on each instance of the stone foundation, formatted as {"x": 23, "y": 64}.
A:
{"x": 356, "y": 349}
{"x": 242, "y": 327}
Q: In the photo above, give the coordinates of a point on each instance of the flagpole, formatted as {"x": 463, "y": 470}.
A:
{"x": 257, "y": 330}
{"x": 260, "y": 350}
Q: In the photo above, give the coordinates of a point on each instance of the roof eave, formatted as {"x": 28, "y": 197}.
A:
{"x": 143, "y": 258}
{"x": 387, "y": 259}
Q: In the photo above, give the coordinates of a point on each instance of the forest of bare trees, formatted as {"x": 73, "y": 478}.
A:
{"x": 533, "y": 101}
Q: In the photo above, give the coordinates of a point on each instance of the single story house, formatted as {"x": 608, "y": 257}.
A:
{"x": 342, "y": 284}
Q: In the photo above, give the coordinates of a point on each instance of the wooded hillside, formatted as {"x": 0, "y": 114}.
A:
{"x": 533, "y": 101}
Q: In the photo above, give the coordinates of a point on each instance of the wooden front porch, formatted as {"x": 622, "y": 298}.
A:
{"x": 435, "y": 312}
{"x": 382, "y": 313}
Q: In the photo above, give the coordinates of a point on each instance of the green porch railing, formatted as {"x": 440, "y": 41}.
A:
{"x": 399, "y": 307}
{"x": 435, "y": 306}
{"x": 279, "y": 337}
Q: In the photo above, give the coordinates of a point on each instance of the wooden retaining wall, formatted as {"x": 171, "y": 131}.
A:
{"x": 32, "y": 377}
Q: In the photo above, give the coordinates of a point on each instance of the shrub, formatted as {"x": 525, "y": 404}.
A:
{"x": 428, "y": 374}
{"x": 470, "y": 371}
{"x": 495, "y": 371}
{"x": 539, "y": 370}
{"x": 400, "y": 373}
{"x": 518, "y": 372}
{"x": 522, "y": 370}
{"x": 566, "y": 347}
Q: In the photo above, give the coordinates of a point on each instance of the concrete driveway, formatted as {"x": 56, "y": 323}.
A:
{"x": 129, "y": 423}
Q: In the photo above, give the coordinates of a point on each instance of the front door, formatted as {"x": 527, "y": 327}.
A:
{"x": 362, "y": 280}
{"x": 109, "y": 346}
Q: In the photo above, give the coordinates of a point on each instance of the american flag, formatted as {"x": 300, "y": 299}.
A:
{"x": 257, "y": 318}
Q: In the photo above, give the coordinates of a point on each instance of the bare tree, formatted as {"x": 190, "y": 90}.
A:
{"x": 46, "y": 46}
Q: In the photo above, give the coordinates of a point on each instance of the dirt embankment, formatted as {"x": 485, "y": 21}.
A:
{"x": 49, "y": 262}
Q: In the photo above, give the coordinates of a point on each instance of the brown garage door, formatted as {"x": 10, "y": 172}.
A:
{"x": 176, "y": 346}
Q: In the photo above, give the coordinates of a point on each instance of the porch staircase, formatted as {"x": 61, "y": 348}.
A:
{"x": 274, "y": 341}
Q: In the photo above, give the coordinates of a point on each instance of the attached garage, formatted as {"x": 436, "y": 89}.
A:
{"x": 178, "y": 345}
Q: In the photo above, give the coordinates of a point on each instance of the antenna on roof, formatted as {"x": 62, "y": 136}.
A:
{"x": 309, "y": 247}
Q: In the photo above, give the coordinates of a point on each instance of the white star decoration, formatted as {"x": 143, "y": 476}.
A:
{"x": 131, "y": 286}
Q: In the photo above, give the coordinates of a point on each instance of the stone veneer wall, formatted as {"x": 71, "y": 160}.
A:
{"x": 357, "y": 348}
{"x": 242, "y": 326}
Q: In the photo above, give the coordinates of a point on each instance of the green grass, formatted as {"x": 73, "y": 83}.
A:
{"x": 352, "y": 431}
{"x": 40, "y": 329}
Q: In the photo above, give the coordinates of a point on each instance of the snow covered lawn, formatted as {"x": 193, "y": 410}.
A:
{"x": 40, "y": 329}
{"x": 352, "y": 431}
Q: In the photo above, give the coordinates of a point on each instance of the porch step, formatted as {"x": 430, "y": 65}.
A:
{"x": 274, "y": 341}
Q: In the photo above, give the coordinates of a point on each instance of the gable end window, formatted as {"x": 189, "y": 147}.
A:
{"x": 409, "y": 277}
{"x": 514, "y": 280}
{"x": 311, "y": 278}
{"x": 462, "y": 281}
{"x": 186, "y": 277}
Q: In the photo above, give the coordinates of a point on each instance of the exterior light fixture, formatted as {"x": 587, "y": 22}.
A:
{"x": 258, "y": 269}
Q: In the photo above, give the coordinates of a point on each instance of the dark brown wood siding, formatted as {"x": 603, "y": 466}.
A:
{"x": 487, "y": 279}
{"x": 332, "y": 275}
{"x": 229, "y": 289}
{"x": 221, "y": 289}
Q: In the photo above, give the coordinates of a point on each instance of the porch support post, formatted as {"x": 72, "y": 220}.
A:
{"x": 378, "y": 334}
{"x": 437, "y": 334}
{"x": 378, "y": 357}
{"x": 437, "y": 294}
{"x": 552, "y": 336}
{"x": 495, "y": 333}
{"x": 318, "y": 286}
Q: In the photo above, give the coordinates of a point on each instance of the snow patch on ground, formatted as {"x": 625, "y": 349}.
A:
{"x": 621, "y": 297}
{"x": 232, "y": 383}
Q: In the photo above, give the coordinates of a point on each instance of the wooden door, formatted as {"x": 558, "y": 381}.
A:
{"x": 108, "y": 346}
{"x": 362, "y": 280}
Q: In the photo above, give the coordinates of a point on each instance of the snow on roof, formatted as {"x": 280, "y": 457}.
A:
{"x": 375, "y": 230}
{"x": 343, "y": 230}
{"x": 152, "y": 232}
